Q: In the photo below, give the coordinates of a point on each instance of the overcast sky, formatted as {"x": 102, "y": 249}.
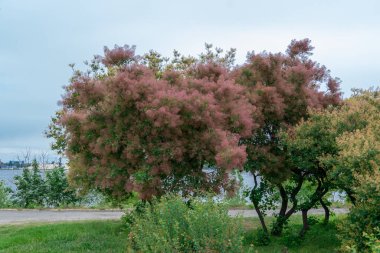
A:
{"x": 38, "y": 39}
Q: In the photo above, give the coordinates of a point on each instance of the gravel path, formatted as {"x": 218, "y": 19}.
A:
{"x": 30, "y": 216}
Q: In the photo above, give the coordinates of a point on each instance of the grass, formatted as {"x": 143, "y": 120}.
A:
{"x": 108, "y": 236}
{"x": 89, "y": 236}
{"x": 319, "y": 239}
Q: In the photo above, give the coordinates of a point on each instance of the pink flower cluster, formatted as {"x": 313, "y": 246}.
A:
{"x": 132, "y": 131}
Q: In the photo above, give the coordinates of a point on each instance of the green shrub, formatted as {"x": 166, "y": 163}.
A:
{"x": 31, "y": 188}
{"x": 291, "y": 237}
{"x": 312, "y": 220}
{"x": 359, "y": 228}
{"x": 373, "y": 242}
{"x": 58, "y": 192}
{"x": 4, "y": 195}
{"x": 170, "y": 225}
{"x": 364, "y": 216}
{"x": 261, "y": 238}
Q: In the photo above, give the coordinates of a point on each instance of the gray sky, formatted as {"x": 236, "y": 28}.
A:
{"x": 38, "y": 39}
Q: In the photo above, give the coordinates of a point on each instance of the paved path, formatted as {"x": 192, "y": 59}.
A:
{"x": 29, "y": 216}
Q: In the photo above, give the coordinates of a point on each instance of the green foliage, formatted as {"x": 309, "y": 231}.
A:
{"x": 358, "y": 167}
{"x": 319, "y": 239}
{"x": 170, "y": 225}
{"x": 5, "y": 200}
{"x": 355, "y": 230}
{"x": 339, "y": 149}
{"x": 236, "y": 202}
{"x": 31, "y": 188}
{"x": 58, "y": 133}
{"x": 108, "y": 236}
{"x": 373, "y": 242}
{"x": 58, "y": 191}
{"x": 265, "y": 196}
{"x": 261, "y": 238}
{"x": 291, "y": 238}
{"x": 312, "y": 220}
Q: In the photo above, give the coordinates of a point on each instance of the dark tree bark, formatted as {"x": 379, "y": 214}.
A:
{"x": 256, "y": 204}
{"x": 350, "y": 195}
{"x": 305, "y": 224}
{"x": 321, "y": 190}
{"x": 280, "y": 220}
{"x": 284, "y": 200}
{"x": 327, "y": 211}
{"x": 283, "y": 216}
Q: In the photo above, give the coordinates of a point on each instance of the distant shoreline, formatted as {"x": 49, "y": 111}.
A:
{"x": 21, "y": 169}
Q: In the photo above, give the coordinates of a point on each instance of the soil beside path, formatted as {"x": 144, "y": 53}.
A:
{"x": 10, "y": 216}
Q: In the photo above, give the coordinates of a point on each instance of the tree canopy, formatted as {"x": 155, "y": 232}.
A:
{"x": 152, "y": 124}
{"x": 126, "y": 128}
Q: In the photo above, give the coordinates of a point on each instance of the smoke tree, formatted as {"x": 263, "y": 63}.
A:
{"x": 125, "y": 127}
{"x": 153, "y": 125}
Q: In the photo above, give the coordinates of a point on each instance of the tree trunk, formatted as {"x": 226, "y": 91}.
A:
{"x": 305, "y": 224}
{"x": 350, "y": 195}
{"x": 327, "y": 211}
{"x": 284, "y": 200}
{"x": 283, "y": 216}
{"x": 281, "y": 219}
{"x": 256, "y": 204}
{"x": 261, "y": 217}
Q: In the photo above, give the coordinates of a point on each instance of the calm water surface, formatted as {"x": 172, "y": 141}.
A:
{"x": 7, "y": 176}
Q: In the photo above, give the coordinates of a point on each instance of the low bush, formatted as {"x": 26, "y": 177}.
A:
{"x": 4, "y": 195}
{"x": 261, "y": 238}
{"x": 34, "y": 190}
{"x": 58, "y": 191}
{"x": 172, "y": 225}
{"x": 30, "y": 188}
{"x": 312, "y": 220}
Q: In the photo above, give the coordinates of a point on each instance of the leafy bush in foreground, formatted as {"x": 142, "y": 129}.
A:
{"x": 171, "y": 225}
{"x": 358, "y": 166}
{"x": 58, "y": 191}
{"x": 4, "y": 195}
{"x": 34, "y": 190}
{"x": 31, "y": 188}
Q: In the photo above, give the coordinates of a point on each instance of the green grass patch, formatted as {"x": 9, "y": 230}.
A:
{"x": 109, "y": 236}
{"x": 319, "y": 239}
{"x": 89, "y": 236}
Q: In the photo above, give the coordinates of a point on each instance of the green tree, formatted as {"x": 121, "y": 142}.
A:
{"x": 58, "y": 191}
{"x": 357, "y": 168}
{"x": 5, "y": 197}
{"x": 338, "y": 149}
{"x": 30, "y": 187}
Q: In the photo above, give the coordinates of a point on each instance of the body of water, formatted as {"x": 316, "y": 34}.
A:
{"x": 7, "y": 176}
